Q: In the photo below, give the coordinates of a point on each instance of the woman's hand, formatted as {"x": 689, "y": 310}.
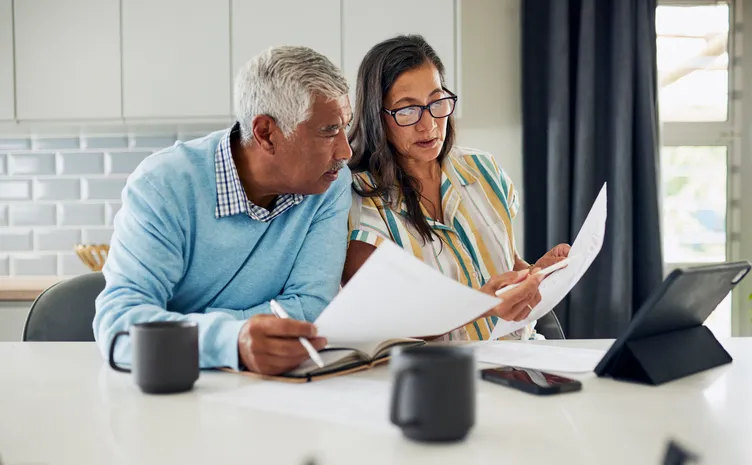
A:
{"x": 553, "y": 256}
{"x": 518, "y": 302}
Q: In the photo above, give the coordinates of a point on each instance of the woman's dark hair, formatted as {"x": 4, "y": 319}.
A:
{"x": 382, "y": 65}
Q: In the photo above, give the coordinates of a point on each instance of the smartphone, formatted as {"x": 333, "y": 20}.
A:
{"x": 532, "y": 381}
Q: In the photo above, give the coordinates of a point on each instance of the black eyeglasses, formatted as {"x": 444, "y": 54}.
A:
{"x": 407, "y": 116}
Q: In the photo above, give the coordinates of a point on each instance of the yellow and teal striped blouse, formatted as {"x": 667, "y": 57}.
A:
{"x": 479, "y": 203}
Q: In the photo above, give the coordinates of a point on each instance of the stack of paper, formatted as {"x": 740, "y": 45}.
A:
{"x": 556, "y": 286}
{"x": 538, "y": 356}
{"x": 395, "y": 295}
{"x": 348, "y": 401}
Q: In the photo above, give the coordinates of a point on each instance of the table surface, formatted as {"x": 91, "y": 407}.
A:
{"x": 61, "y": 404}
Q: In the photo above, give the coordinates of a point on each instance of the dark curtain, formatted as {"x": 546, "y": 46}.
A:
{"x": 589, "y": 104}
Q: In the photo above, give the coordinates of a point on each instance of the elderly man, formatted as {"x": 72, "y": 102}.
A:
{"x": 212, "y": 229}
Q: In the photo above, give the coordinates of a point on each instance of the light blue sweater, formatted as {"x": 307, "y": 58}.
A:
{"x": 170, "y": 257}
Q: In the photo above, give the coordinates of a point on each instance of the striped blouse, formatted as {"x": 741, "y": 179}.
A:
{"x": 479, "y": 203}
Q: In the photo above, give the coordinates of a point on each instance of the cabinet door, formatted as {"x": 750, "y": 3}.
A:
{"x": 7, "y": 103}
{"x": 312, "y": 23}
{"x": 368, "y": 23}
{"x": 67, "y": 59}
{"x": 176, "y": 58}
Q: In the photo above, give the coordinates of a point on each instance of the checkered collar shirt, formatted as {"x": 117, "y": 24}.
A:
{"x": 231, "y": 198}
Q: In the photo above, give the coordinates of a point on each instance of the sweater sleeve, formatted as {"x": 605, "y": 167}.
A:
{"x": 143, "y": 266}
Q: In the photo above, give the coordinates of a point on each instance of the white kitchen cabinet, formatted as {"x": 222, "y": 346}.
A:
{"x": 13, "y": 319}
{"x": 7, "y": 99}
{"x": 176, "y": 58}
{"x": 67, "y": 55}
{"x": 256, "y": 27}
{"x": 368, "y": 23}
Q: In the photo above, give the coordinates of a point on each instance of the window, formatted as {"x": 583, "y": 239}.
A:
{"x": 693, "y": 62}
{"x": 693, "y": 190}
{"x": 700, "y": 145}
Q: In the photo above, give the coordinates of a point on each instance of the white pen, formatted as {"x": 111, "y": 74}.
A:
{"x": 545, "y": 272}
{"x": 281, "y": 313}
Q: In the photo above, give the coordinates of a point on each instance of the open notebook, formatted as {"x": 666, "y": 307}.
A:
{"x": 340, "y": 360}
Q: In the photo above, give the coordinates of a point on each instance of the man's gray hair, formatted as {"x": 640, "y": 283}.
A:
{"x": 282, "y": 82}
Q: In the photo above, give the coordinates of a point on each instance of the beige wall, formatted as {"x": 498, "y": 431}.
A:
{"x": 490, "y": 86}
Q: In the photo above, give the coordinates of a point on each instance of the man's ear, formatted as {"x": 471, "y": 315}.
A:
{"x": 264, "y": 128}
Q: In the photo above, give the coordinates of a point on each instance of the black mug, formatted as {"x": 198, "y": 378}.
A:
{"x": 433, "y": 395}
{"x": 164, "y": 355}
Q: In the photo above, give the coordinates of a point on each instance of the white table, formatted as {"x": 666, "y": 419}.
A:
{"x": 60, "y": 404}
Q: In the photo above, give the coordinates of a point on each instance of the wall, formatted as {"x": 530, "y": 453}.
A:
{"x": 490, "y": 86}
{"x": 57, "y": 190}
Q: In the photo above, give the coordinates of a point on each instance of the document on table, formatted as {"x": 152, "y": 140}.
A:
{"x": 395, "y": 295}
{"x": 542, "y": 357}
{"x": 557, "y": 285}
{"x": 353, "y": 402}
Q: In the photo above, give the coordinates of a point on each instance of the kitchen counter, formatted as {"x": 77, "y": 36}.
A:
{"x": 25, "y": 288}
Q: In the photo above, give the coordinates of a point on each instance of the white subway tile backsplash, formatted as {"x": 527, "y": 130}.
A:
{"x": 11, "y": 189}
{"x": 15, "y": 240}
{"x": 105, "y": 142}
{"x": 97, "y": 235}
{"x": 54, "y": 240}
{"x": 80, "y": 163}
{"x": 33, "y": 214}
{"x": 56, "y": 143}
{"x": 71, "y": 265}
{"x": 40, "y": 265}
{"x": 31, "y": 163}
{"x": 81, "y": 214}
{"x": 110, "y": 212}
{"x": 124, "y": 162}
{"x": 103, "y": 189}
{"x": 57, "y": 189}
{"x": 153, "y": 142}
{"x": 15, "y": 144}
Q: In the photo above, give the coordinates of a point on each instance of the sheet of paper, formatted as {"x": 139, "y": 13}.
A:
{"x": 557, "y": 285}
{"x": 395, "y": 295}
{"x": 538, "y": 356}
{"x": 353, "y": 402}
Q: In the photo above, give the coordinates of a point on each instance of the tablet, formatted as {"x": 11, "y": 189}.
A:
{"x": 684, "y": 300}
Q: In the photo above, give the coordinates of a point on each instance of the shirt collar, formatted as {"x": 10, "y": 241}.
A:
{"x": 231, "y": 197}
{"x": 453, "y": 169}
{"x": 466, "y": 173}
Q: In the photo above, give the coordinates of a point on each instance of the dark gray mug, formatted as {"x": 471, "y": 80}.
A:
{"x": 433, "y": 395}
{"x": 164, "y": 355}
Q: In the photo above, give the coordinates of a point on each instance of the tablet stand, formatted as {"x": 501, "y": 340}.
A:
{"x": 669, "y": 356}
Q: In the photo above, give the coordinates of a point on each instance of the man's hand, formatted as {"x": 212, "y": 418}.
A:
{"x": 270, "y": 345}
{"x": 553, "y": 256}
{"x": 519, "y": 302}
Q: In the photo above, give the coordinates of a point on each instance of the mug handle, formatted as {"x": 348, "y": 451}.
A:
{"x": 114, "y": 365}
{"x": 396, "y": 390}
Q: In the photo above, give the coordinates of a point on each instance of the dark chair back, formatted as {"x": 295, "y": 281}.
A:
{"x": 549, "y": 326}
{"x": 65, "y": 310}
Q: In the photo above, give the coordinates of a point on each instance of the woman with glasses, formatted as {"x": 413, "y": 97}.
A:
{"x": 449, "y": 206}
